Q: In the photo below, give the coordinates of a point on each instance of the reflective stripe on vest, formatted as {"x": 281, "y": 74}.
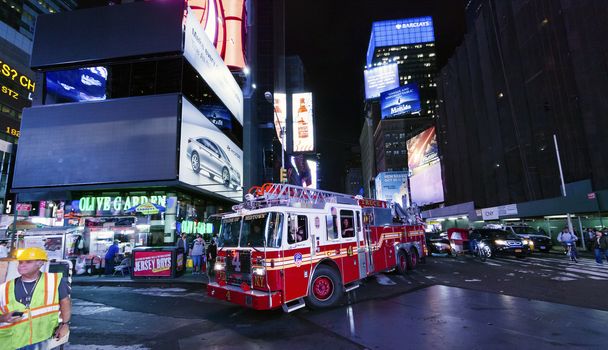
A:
{"x": 37, "y": 323}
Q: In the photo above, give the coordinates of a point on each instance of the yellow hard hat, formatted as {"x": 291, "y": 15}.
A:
{"x": 33, "y": 253}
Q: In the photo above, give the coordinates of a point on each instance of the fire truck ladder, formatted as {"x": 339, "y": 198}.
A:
{"x": 297, "y": 196}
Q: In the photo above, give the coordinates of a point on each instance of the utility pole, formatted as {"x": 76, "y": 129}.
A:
{"x": 561, "y": 177}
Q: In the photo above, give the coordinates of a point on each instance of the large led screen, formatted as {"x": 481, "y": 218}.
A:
{"x": 426, "y": 184}
{"x": 422, "y": 148}
{"x": 400, "y": 101}
{"x": 209, "y": 160}
{"x": 280, "y": 116}
{"x": 75, "y": 85}
{"x": 392, "y": 186}
{"x": 302, "y": 172}
{"x": 224, "y": 22}
{"x": 303, "y": 131}
{"x": 201, "y": 54}
{"x": 380, "y": 79}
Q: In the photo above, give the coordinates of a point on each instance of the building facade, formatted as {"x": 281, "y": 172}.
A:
{"x": 139, "y": 131}
{"x": 526, "y": 72}
{"x": 17, "y": 82}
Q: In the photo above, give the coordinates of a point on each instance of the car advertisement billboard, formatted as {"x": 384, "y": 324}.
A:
{"x": 392, "y": 186}
{"x": 380, "y": 79}
{"x": 303, "y": 130}
{"x": 209, "y": 160}
{"x": 402, "y": 100}
{"x": 426, "y": 184}
{"x": 202, "y": 55}
{"x": 422, "y": 148}
{"x": 280, "y": 116}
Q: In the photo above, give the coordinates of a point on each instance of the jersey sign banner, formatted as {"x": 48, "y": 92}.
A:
{"x": 152, "y": 264}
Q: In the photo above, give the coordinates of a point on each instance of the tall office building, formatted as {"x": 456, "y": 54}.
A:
{"x": 401, "y": 97}
{"x": 524, "y": 73}
{"x": 17, "y": 81}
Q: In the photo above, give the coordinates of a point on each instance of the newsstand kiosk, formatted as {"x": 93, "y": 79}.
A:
{"x": 157, "y": 262}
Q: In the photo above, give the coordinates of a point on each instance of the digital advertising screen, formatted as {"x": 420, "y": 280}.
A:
{"x": 224, "y": 22}
{"x": 75, "y": 85}
{"x": 280, "y": 116}
{"x": 209, "y": 160}
{"x": 426, "y": 184}
{"x": 202, "y": 55}
{"x": 380, "y": 79}
{"x": 400, "y": 101}
{"x": 422, "y": 148}
{"x": 392, "y": 186}
{"x": 303, "y": 130}
{"x": 15, "y": 83}
{"x": 218, "y": 115}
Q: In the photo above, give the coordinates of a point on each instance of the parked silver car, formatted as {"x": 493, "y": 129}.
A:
{"x": 208, "y": 155}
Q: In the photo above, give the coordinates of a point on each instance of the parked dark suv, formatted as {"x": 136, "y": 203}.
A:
{"x": 489, "y": 243}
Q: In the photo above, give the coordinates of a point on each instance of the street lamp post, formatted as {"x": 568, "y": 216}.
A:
{"x": 561, "y": 176}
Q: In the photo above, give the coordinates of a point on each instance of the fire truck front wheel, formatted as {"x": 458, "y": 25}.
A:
{"x": 325, "y": 288}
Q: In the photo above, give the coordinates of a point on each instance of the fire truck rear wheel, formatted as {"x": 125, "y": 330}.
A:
{"x": 402, "y": 262}
{"x": 325, "y": 289}
{"x": 413, "y": 259}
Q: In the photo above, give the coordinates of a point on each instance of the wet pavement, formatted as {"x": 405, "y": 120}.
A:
{"x": 542, "y": 302}
{"x": 456, "y": 318}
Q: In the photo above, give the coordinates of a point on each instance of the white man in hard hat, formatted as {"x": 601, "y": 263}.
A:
{"x": 31, "y": 304}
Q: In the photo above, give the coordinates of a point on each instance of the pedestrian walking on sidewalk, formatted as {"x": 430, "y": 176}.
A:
{"x": 600, "y": 247}
{"x": 32, "y": 304}
{"x": 197, "y": 254}
{"x": 211, "y": 254}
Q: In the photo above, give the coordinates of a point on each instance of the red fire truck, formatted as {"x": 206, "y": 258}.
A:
{"x": 288, "y": 246}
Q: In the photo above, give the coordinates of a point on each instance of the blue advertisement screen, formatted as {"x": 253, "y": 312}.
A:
{"x": 83, "y": 84}
{"x": 402, "y": 100}
{"x": 218, "y": 115}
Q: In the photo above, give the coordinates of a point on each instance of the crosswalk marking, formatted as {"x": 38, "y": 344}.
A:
{"x": 560, "y": 269}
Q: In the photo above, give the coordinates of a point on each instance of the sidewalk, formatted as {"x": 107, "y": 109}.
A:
{"x": 558, "y": 250}
{"x": 127, "y": 281}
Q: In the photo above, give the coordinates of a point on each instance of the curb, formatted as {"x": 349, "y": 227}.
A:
{"x": 138, "y": 282}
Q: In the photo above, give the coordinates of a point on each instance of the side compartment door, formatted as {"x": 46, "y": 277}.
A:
{"x": 297, "y": 257}
{"x": 362, "y": 251}
{"x": 349, "y": 246}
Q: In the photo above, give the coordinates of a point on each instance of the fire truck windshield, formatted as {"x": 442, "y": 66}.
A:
{"x": 229, "y": 232}
{"x": 252, "y": 230}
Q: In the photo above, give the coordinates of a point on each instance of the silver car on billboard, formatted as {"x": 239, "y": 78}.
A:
{"x": 204, "y": 154}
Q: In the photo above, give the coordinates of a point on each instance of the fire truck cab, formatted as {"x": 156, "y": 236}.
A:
{"x": 288, "y": 246}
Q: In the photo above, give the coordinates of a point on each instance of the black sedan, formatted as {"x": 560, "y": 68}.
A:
{"x": 487, "y": 243}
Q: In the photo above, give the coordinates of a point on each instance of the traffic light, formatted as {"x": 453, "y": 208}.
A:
{"x": 283, "y": 175}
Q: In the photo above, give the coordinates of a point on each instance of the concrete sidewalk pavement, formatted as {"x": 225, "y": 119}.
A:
{"x": 99, "y": 280}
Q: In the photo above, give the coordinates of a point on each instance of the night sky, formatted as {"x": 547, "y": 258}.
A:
{"x": 331, "y": 37}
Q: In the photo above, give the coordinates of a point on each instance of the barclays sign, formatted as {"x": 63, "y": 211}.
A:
{"x": 413, "y": 25}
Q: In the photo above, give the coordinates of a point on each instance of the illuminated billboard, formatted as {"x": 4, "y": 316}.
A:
{"x": 422, "y": 148}
{"x": 201, "y": 54}
{"x": 400, "y": 101}
{"x": 392, "y": 186}
{"x": 380, "y": 79}
{"x": 209, "y": 160}
{"x": 75, "y": 85}
{"x": 302, "y": 126}
{"x": 426, "y": 184}
{"x": 280, "y": 116}
{"x": 397, "y": 32}
{"x": 224, "y": 22}
{"x": 302, "y": 172}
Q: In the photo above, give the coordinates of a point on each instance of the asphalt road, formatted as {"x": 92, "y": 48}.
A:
{"x": 541, "y": 302}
